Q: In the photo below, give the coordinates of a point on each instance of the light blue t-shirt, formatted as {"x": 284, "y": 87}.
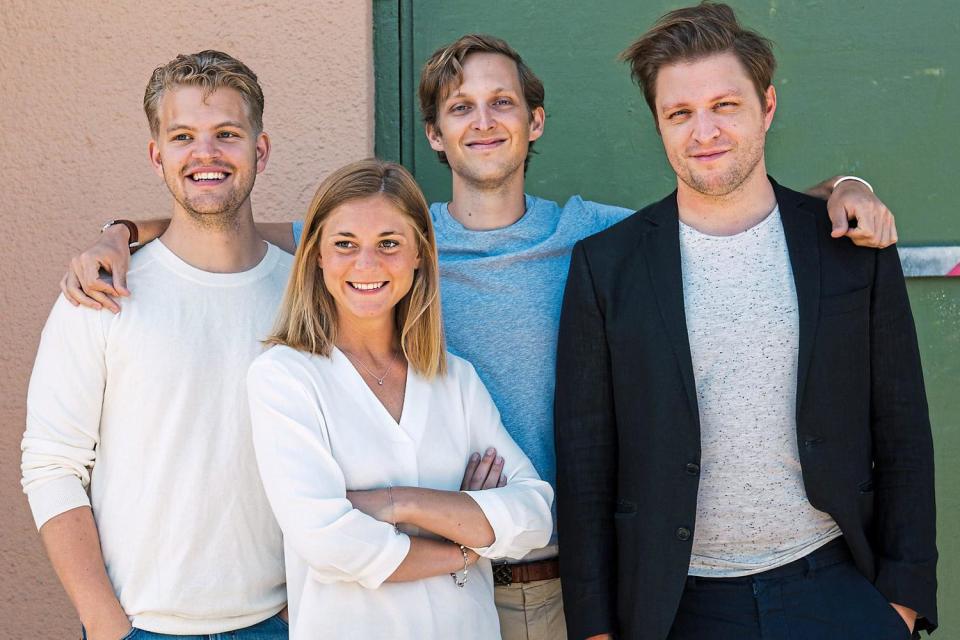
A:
{"x": 501, "y": 292}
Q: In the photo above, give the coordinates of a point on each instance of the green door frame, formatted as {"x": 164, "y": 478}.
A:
{"x": 394, "y": 125}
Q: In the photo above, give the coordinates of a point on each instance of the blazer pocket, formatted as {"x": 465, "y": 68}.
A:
{"x": 845, "y": 302}
{"x": 624, "y": 509}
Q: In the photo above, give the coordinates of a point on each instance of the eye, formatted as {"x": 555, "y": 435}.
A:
{"x": 181, "y": 137}
{"x": 460, "y": 108}
{"x": 679, "y": 113}
{"x": 726, "y": 104}
{"x": 389, "y": 244}
{"x": 503, "y": 102}
{"x": 227, "y": 134}
{"x": 343, "y": 244}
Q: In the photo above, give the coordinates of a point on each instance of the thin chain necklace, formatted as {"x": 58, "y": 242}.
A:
{"x": 357, "y": 360}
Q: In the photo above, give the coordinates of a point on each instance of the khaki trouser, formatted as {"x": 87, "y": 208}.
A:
{"x": 531, "y": 611}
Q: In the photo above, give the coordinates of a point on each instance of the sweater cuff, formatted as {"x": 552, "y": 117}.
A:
{"x": 56, "y": 496}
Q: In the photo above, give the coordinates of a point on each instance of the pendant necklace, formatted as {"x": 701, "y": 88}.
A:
{"x": 379, "y": 379}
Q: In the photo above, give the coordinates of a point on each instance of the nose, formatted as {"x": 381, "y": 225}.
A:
{"x": 704, "y": 126}
{"x": 206, "y": 147}
{"x": 484, "y": 118}
{"x": 366, "y": 258}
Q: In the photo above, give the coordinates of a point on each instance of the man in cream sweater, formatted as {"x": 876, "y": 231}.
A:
{"x": 172, "y": 535}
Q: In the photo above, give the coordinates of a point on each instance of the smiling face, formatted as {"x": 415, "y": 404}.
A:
{"x": 208, "y": 152}
{"x": 484, "y": 126}
{"x": 368, "y": 254}
{"x": 712, "y": 123}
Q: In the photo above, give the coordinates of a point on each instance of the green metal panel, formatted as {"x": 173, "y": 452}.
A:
{"x": 864, "y": 87}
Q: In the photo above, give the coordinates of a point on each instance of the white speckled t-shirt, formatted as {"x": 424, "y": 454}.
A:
{"x": 742, "y": 322}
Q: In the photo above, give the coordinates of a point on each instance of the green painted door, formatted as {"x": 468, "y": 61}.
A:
{"x": 864, "y": 87}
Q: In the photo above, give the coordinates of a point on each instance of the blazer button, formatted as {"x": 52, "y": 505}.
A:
{"x": 693, "y": 468}
{"x": 683, "y": 533}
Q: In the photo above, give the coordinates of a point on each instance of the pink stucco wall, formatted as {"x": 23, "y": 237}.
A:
{"x": 73, "y": 143}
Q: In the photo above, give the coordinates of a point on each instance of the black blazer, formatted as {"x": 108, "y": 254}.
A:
{"x": 628, "y": 432}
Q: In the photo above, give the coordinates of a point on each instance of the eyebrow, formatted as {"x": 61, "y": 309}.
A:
{"x": 349, "y": 234}
{"x": 460, "y": 94}
{"x": 226, "y": 123}
{"x": 732, "y": 93}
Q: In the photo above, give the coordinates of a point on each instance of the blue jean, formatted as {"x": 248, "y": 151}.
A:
{"x": 820, "y": 596}
{"x": 270, "y": 629}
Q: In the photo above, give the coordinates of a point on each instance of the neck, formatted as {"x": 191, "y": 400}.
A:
{"x": 374, "y": 340}
{"x": 229, "y": 244}
{"x": 731, "y": 213}
{"x": 481, "y": 208}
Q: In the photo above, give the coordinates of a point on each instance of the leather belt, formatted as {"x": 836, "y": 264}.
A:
{"x": 506, "y": 574}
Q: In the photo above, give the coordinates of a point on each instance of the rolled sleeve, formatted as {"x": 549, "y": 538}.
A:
{"x": 518, "y": 513}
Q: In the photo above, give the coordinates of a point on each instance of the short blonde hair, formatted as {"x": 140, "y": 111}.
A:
{"x": 210, "y": 70}
{"x": 308, "y": 315}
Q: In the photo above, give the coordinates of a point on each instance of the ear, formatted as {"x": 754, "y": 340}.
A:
{"x": 263, "y": 151}
{"x": 538, "y": 118}
{"x": 770, "y": 97}
{"x": 434, "y": 137}
{"x": 153, "y": 150}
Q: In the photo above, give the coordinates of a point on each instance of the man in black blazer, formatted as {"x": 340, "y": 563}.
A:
{"x": 743, "y": 445}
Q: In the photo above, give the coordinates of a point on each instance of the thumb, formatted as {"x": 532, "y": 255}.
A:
{"x": 838, "y": 218}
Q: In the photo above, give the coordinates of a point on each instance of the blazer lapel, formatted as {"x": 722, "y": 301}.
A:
{"x": 662, "y": 248}
{"x": 800, "y": 230}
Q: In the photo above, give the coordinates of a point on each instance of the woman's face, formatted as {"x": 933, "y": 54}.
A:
{"x": 368, "y": 254}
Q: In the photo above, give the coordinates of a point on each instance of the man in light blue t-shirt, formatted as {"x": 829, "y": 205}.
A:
{"x": 504, "y": 256}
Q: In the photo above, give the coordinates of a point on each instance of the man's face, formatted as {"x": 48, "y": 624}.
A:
{"x": 208, "y": 152}
{"x": 484, "y": 126}
{"x": 712, "y": 123}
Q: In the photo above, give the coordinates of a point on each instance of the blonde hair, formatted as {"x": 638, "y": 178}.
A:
{"x": 308, "y": 315}
{"x": 210, "y": 70}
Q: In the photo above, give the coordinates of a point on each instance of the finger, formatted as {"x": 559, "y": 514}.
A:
{"x": 120, "y": 278}
{"x": 71, "y": 289}
{"x": 483, "y": 469}
{"x": 468, "y": 473}
{"x": 893, "y": 228}
{"x": 865, "y": 234}
{"x": 65, "y": 292}
{"x": 838, "y": 218}
{"x": 104, "y": 300}
{"x": 496, "y": 469}
{"x": 885, "y": 234}
{"x": 503, "y": 481}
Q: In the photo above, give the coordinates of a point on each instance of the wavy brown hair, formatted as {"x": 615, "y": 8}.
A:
{"x": 210, "y": 70}
{"x": 307, "y": 320}
{"x": 442, "y": 73}
{"x": 692, "y": 33}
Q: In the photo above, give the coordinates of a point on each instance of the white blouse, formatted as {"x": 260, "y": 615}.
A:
{"x": 319, "y": 431}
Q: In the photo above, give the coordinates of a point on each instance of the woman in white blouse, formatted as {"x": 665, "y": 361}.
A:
{"x": 362, "y": 421}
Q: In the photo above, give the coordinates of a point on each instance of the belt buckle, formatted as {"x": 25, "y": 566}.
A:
{"x": 502, "y": 574}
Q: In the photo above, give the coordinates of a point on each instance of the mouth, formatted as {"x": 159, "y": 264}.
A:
{"x": 483, "y": 145}
{"x": 367, "y": 286}
{"x": 208, "y": 176}
{"x": 709, "y": 155}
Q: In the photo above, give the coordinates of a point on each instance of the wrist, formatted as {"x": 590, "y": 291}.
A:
{"x": 402, "y": 505}
{"x": 124, "y": 231}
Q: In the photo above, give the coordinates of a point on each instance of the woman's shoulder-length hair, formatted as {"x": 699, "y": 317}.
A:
{"x": 307, "y": 320}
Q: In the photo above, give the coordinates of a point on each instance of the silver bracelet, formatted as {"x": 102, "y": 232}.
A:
{"x": 458, "y": 581}
{"x": 855, "y": 179}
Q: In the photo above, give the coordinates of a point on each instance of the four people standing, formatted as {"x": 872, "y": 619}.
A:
{"x": 482, "y": 109}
